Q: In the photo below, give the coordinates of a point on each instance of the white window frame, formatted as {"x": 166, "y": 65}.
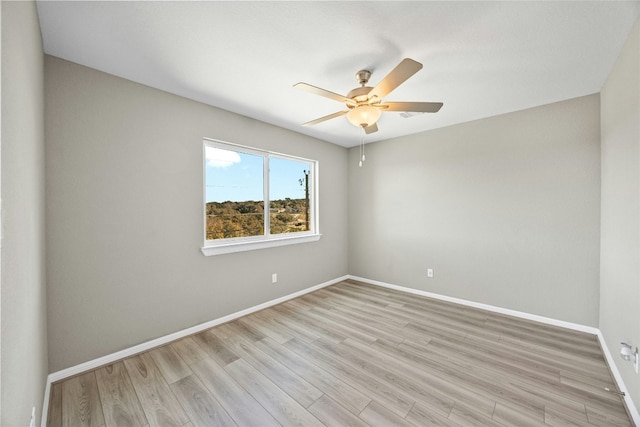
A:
{"x": 267, "y": 240}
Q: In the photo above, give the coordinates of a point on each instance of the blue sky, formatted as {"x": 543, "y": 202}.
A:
{"x": 237, "y": 177}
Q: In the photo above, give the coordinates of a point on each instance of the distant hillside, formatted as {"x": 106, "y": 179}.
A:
{"x": 241, "y": 219}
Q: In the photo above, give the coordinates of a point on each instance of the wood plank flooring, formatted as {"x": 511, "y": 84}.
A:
{"x": 353, "y": 354}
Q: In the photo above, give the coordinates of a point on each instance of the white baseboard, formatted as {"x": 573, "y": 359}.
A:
{"x": 131, "y": 351}
{"x": 45, "y": 403}
{"x": 493, "y": 308}
{"x": 633, "y": 411}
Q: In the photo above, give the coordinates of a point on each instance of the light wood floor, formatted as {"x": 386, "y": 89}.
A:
{"x": 358, "y": 355}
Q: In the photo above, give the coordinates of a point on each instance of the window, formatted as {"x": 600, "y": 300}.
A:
{"x": 240, "y": 182}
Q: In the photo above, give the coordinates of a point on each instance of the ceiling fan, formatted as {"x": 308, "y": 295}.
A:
{"x": 364, "y": 103}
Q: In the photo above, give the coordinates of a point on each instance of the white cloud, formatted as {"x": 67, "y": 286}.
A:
{"x": 218, "y": 158}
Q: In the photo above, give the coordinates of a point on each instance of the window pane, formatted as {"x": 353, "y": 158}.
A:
{"x": 234, "y": 194}
{"x": 289, "y": 195}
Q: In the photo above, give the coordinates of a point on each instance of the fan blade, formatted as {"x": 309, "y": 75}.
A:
{"x": 397, "y": 76}
{"x": 420, "y": 107}
{"x": 325, "y": 118}
{"x": 371, "y": 129}
{"x": 323, "y": 92}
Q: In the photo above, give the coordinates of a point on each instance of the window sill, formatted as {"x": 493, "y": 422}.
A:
{"x": 261, "y": 244}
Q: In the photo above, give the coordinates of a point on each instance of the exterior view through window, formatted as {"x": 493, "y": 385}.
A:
{"x": 240, "y": 182}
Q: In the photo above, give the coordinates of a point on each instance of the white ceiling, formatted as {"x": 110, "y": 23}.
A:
{"x": 480, "y": 58}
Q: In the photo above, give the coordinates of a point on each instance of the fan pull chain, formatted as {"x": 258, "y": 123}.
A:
{"x": 363, "y": 158}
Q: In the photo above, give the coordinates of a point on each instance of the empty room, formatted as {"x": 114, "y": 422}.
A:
{"x": 366, "y": 213}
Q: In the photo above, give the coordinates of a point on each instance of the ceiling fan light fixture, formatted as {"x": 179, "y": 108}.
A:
{"x": 364, "y": 104}
{"x": 363, "y": 115}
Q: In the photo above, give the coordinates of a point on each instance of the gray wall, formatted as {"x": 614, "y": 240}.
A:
{"x": 24, "y": 328}
{"x": 124, "y": 215}
{"x": 620, "y": 232}
{"x": 506, "y": 210}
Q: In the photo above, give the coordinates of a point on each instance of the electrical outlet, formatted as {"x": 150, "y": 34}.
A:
{"x": 274, "y": 278}
{"x": 430, "y": 273}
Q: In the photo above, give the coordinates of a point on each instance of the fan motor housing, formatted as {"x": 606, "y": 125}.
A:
{"x": 360, "y": 94}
